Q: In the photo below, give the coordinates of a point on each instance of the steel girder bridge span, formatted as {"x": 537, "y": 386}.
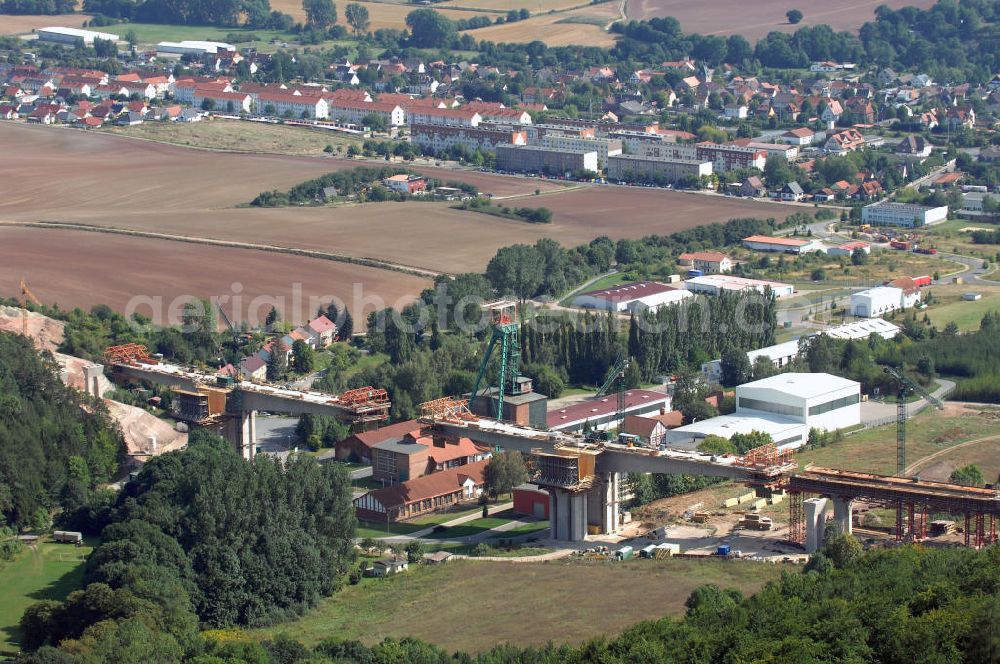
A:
{"x": 912, "y": 498}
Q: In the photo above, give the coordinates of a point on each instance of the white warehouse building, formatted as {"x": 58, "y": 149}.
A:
{"x": 73, "y": 35}
{"x": 192, "y": 47}
{"x": 713, "y": 284}
{"x": 785, "y": 406}
{"x": 632, "y": 297}
{"x": 876, "y": 301}
{"x": 905, "y": 215}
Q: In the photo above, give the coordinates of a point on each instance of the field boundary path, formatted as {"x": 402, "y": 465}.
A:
{"x": 552, "y": 555}
{"x": 930, "y": 457}
{"x": 306, "y": 253}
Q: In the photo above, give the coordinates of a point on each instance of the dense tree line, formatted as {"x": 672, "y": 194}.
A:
{"x": 970, "y": 357}
{"x": 37, "y": 6}
{"x": 225, "y": 13}
{"x": 203, "y": 537}
{"x": 56, "y": 443}
{"x": 907, "y": 604}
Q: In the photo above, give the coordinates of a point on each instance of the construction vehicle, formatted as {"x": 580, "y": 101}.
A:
{"x": 616, "y": 377}
{"x": 25, "y": 296}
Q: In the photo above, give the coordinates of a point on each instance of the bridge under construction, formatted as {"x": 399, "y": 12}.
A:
{"x": 582, "y": 478}
{"x": 229, "y": 406}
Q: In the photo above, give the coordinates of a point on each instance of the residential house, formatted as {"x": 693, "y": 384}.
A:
{"x": 649, "y": 431}
{"x": 223, "y": 102}
{"x": 389, "y": 566}
{"x": 960, "y": 116}
{"x": 799, "y": 136}
{"x": 913, "y": 147}
{"x": 735, "y": 111}
{"x": 406, "y": 183}
{"x": 322, "y": 331}
{"x": 831, "y": 114}
{"x": 357, "y": 112}
{"x": 842, "y": 142}
{"x": 753, "y": 187}
{"x": 284, "y": 104}
{"x": 708, "y": 262}
{"x": 791, "y": 192}
{"x": 254, "y": 368}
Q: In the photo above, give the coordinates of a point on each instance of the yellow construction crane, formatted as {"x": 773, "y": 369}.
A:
{"x": 25, "y": 296}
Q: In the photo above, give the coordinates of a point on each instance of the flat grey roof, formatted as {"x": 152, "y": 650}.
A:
{"x": 399, "y": 446}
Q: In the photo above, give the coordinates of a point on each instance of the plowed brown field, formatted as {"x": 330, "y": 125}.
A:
{"x": 75, "y": 268}
{"x": 754, "y": 20}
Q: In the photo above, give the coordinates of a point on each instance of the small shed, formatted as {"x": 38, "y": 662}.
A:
{"x": 437, "y": 557}
{"x": 972, "y": 297}
{"x": 389, "y": 566}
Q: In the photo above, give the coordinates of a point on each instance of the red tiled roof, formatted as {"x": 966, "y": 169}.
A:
{"x": 321, "y": 324}
{"x": 783, "y": 241}
{"x": 595, "y": 408}
{"x": 430, "y": 486}
{"x": 708, "y": 256}
{"x": 627, "y": 292}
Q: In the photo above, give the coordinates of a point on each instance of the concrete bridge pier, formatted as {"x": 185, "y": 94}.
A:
{"x": 241, "y": 431}
{"x": 842, "y": 515}
{"x": 815, "y": 514}
{"x": 567, "y": 515}
{"x": 602, "y": 503}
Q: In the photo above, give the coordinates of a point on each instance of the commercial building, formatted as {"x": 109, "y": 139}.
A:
{"x": 785, "y": 406}
{"x": 905, "y": 215}
{"x": 780, "y": 355}
{"x": 601, "y": 412}
{"x": 422, "y": 495}
{"x": 713, "y": 284}
{"x": 632, "y": 297}
{"x": 532, "y": 159}
{"x": 440, "y": 138}
{"x": 630, "y": 168}
{"x": 192, "y": 47}
{"x": 710, "y": 262}
{"x": 792, "y": 245}
{"x": 863, "y": 329}
{"x": 848, "y": 248}
{"x": 73, "y": 35}
{"x": 876, "y": 301}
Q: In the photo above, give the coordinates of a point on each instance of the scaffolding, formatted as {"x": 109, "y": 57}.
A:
{"x": 449, "y": 409}
{"x": 130, "y": 354}
{"x": 796, "y": 518}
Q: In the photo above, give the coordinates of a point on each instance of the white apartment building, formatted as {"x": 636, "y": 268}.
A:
{"x": 604, "y": 147}
{"x": 355, "y": 111}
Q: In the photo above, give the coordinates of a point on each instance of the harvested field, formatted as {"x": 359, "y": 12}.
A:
{"x": 72, "y": 268}
{"x": 554, "y": 30}
{"x": 175, "y": 190}
{"x": 382, "y": 14}
{"x": 633, "y": 213}
{"x": 234, "y": 136}
{"x": 754, "y": 20}
{"x": 533, "y": 6}
{"x": 64, "y": 174}
{"x": 16, "y": 25}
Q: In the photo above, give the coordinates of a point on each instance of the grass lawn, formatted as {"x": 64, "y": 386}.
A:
{"x": 967, "y": 315}
{"x": 521, "y": 530}
{"x": 238, "y": 136}
{"x": 370, "y": 529}
{"x": 474, "y": 605}
{"x": 874, "y": 450}
{"x": 470, "y": 528}
{"x": 51, "y": 571}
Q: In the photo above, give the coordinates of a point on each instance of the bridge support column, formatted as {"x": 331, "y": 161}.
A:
{"x": 815, "y": 513}
{"x": 602, "y": 503}
{"x": 567, "y": 515}
{"x": 241, "y": 432}
{"x": 842, "y": 515}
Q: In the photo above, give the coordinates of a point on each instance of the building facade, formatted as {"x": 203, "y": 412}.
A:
{"x": 532, "y": 159}
{"x": 904, "y": 215}
{"x": 630, "y": 168}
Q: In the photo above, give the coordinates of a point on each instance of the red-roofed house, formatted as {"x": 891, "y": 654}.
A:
{"x": 322, "y": 331}
{"x": 358, "y": 446}
{"x": 649, "y": 430}
{"x": 706, "y": 261}
{"x": 422, "y": 495}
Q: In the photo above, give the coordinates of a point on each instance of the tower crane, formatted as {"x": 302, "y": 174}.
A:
{"x": 236, "y": 342}
{"x": 906, "y": 385}
{"x": 616, "y": 376}
{"x": 25, "y": 296}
